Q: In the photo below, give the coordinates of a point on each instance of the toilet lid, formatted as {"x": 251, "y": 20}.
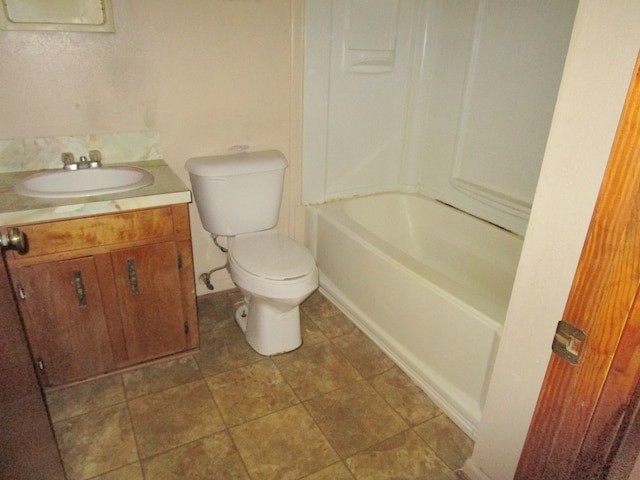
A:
{"x": 271, "y": 255}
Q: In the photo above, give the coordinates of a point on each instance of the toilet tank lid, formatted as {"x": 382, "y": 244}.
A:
{"x": 236, "y": 163}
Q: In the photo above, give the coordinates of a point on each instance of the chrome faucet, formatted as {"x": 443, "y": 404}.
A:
{"x": 70, "y": 163}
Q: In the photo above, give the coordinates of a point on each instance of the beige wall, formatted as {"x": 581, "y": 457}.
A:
{"x": 206, "y": 74}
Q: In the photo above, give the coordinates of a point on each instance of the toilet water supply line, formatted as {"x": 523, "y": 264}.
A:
{"x": 206, "y": 277}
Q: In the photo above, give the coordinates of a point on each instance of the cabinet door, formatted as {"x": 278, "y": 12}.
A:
{"x": 150, "y": 300}
{"x": 28, "y": 449}
{"x": 64, "y": 319}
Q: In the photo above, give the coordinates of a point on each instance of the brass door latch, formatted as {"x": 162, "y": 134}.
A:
{"x": 568, "y": 342}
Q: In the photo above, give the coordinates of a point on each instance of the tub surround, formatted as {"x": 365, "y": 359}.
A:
{"x": 464, "y": 93}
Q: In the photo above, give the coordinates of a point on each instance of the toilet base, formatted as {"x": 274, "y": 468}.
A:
{"x": 270, "y": 329}
{"x": 242, "y": 313}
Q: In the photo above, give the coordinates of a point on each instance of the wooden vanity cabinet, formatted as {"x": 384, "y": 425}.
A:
{"x": 107, "y": 292}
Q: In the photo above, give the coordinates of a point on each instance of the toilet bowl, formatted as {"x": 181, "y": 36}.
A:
{"x": 275, "y": 275}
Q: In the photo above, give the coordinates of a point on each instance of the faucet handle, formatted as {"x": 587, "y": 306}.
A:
{"x": 95, "y": 159}
{"x": 69, "y": 161}
{"x": 67, "y": 158}
{"x": 95, "y": 155}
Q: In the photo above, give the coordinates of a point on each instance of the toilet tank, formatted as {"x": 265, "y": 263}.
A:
{"x": 238, "y": 193}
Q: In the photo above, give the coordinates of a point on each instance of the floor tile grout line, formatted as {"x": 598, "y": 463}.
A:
{"x": 114, "y": 470}
{"x": 322, "y": 393}
{"x": 95, "y": 410}
{"x": 327, "y": 466}
{"x": 133, "y": 429}
{"x": 259, "y": 416}
{"x": 228, "y": 427}
{"x": 237, "y": 449}
{"x": 135, "y": 436}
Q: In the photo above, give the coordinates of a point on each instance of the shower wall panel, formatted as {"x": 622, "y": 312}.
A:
{"x": 358, "y": 62}
{"x": 449, "y": 98}
{"x": 492, "y": 71}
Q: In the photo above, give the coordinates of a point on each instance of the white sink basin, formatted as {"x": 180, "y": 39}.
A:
{"x": 84, "y": 182}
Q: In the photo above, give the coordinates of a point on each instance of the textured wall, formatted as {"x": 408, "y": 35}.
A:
{"x": 206, "y": 74}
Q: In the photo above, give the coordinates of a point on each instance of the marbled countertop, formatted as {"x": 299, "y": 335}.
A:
{"x": 15, "y": 209}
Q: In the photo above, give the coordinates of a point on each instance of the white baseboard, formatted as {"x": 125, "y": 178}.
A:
{"x": 472, "y": 472}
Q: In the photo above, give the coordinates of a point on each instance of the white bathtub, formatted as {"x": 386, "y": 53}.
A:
{"x": 428, "y": 283}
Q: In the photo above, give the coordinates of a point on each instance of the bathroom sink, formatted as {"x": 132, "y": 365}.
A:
{"x": 84, "y": 182}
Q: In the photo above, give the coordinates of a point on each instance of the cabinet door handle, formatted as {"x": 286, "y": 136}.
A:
{"x": 80, "y": 291}
{"x": 133, "y": 276}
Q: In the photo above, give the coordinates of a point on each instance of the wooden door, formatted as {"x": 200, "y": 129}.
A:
{"x": 64, "y": 318}
{"x": 150, "y": 300}
{"x": 586, "y": 424}
{"x": 28, "y": 449}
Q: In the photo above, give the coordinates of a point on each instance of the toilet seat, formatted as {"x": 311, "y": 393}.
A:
{"x": 271, "y": 256}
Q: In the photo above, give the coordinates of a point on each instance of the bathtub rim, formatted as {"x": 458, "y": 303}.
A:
{"x": 489, "y": 312}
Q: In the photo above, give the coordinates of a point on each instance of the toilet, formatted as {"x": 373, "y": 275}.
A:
{"x": 238, "y": 196}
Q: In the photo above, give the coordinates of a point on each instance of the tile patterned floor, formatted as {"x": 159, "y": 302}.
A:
{"x": 337, "y": 408}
